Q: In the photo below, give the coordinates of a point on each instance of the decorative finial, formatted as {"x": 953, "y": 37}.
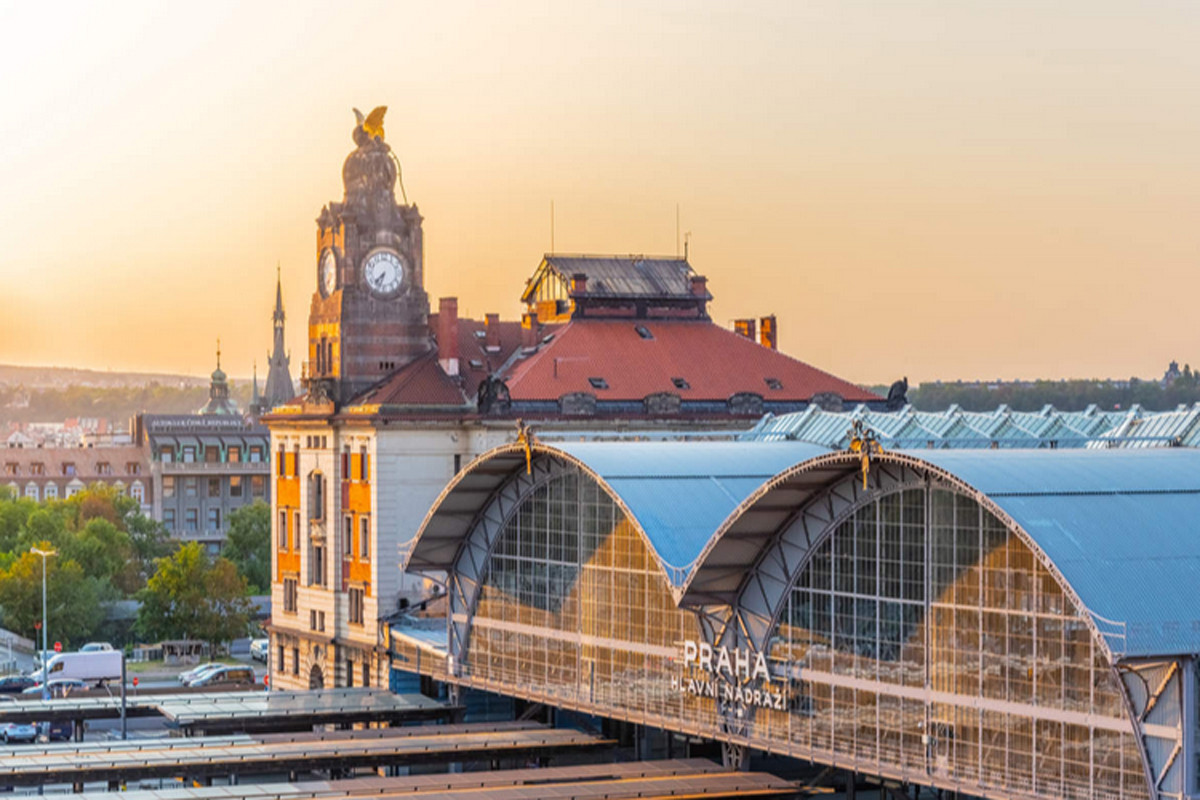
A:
{"x": 373, "y": 124}
{"x": 218, "y": 352}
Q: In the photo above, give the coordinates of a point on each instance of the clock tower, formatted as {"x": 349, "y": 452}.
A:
{"x": 370, "y": 313}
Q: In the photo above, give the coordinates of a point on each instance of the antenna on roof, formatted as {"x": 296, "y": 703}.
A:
{"x": 686, "y": 236}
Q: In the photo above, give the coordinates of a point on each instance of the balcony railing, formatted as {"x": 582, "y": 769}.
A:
{"x": 216, "y": 467}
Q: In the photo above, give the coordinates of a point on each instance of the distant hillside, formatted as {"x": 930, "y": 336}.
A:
{"x": 59, "y": 377}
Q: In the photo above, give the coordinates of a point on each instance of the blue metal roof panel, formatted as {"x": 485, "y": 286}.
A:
{"x": 680, "y": 492}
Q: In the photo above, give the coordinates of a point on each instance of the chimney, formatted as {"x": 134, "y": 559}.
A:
{"x": 493, "y": 333}
{"x": 700, "y": 286}
{"x": 768, "y": 332}
{"x": 447, "y": 334}
{"x": 744, "y": 327}
{"x": 578, "y": 283}
{"x": 529, "y": 330}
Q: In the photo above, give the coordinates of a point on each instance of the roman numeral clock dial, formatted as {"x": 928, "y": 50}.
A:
{"x": 384, "y": 272}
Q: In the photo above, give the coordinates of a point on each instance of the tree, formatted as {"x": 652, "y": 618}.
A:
{"x": 248, "y": 545}
{"x": 74, "y": 601}
{"x": 190, "y": 597}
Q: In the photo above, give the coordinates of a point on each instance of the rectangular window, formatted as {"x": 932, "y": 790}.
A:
{"x": 166, "y": 455}
{"x": 364, "y": 537}
{"x": 289, "y": 595}
{"x": 68, "y": 469}
{"x": 295, "y": 660}
{"x": 316, "y": 496}
{"x": 296, "y": 462}
{"x": 283, "y": 531}
{"x": 347, "y": 535}
{"x": 349, "y": 674}
{"x": 169, "y": 519}
{"x": 296, "y": 530}
{"x": 233, "y": 455}
{"x": 214, "y": 519}
{"x": 364, "y": 468}
{"x": 168, "y": 486}
{"x": 255, "y": 455}
{"x": 281, "y": 462}
{"x": 212, "y": 454}
{"x": 235, "y": 486}
{"x": 346, "y": 464}
{"x": 189, "y": 454}
{"x": 457, "y": 463}
{"x": 133, "y": 468}
{"x": 214, "y": 487}
{"x": 189, "y": 485}
{"x": 103, "y": 468}
{"x": 279, "y": 664}
{"x": 191, "y": 520}
{"x": 11, "y": 468}
{"x": 37, "y": 469}
{"x": 258, "y": 485}
{"x": 356, "y": 606}
{"x": 366, "y": 678}
{"x": 317, "y": 565}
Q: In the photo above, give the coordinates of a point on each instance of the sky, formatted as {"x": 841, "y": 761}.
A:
{"x": 943, "y": 190}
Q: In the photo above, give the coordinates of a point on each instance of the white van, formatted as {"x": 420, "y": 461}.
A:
{"x": 95, "y": 667}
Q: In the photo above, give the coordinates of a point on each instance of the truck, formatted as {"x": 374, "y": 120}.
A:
{"x": 94, "y": 667}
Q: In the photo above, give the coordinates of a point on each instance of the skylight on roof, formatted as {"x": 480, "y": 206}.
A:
{"x": 480, "y": 334}
{"x": 773, "y": 383}
{"x": 643, "y": 331}
{"x": 598, "y": 383}
{"x": 681, "y": 383}
{"x": 476, "y": 363}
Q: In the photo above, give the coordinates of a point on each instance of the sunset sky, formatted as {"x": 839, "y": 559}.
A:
{"x": 940, "y": 189}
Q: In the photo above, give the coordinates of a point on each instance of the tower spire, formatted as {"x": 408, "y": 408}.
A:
{"x": 278, "y": 317}
{"x": 218, "y": 352}
{"x": 279, "y": 388}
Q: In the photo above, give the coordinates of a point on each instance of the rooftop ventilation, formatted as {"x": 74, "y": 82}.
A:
{"x": 774, "y": 383}
{"x": 643, "y": 331}
{"x": 476, "y": 363}
{"x": 598, "y": 383}
{"x": 480, "y": 334}
{"x": 681, "y": 383}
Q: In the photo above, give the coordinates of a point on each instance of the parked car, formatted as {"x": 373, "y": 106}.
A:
{"x": 226, "y": 675}
{"x": 259, "y": 649}
{"x": 57, "y": 731}
{"x": 195, "y": 672}
{"x": 58, "y": 688}
{"x": 96, "y": 647}
{"x": 15, "y": 684}
{"x": 93, "y": 666}
{"x": 18, "y": 732}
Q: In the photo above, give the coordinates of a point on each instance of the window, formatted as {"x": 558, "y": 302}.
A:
{"x": 37, "y": 468}
{"x": 364, "y": 537}
{"x": 191, "y": 520}
{"x": 457, "y": 463}
{"x": 258, "y": 486}
{"x": 137, "y": 492}
{"x": 189, "y": 485}
{"x": 317, "y": 566}
{"x": 356, "y": 606}
{"x": 475, "y": 363}
{"x": 31, "y": 491}
{"x": 256, "y": 454}
{"x": 316, "y": 496}
{"x": 166, "y": 455}
{"x": 349, "y": 674}
{"x": 282, "y": 533}
{"x": 295, "y": 659}
{"x": 169, "y": 519}
{"x": 51, "y": 491}
{"x": 365, "y": 467}
{"x": 773, "y": 383}
{"x": 214, "y": 519}
{"x": 296, "y": 529}
{"x": 233, "y": 455}
{"x": 681, "y": 383}
{"x": 168, "y": 486}
{"x": 279, "y": 664}
{"x": 68, "y": 469}
{"x": 643, "y": 331}
{"x": 281, "y": 463}
{"x": 598, "y": 383}
{"x": 296, "y": 462}
{"x": 103, "y": 468}
{"x": 11, "y": 468}
{"x": 189, "y": 454}
{"x": 316, "y": 620}
{"x": 212, "y": 454}
{"x": 366, "y": 680}
{"x": 346, "y": 464}
{"x": 347, "y": 535}
{"x": 235, "y": 486}
{"x": 289, "y": 595}
{"x": 214, "y": 487}
{"x": 133, "y": 468}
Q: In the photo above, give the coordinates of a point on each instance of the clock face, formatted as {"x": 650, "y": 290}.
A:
{"x": 384, "y": 271}
{"x": 328, "y": 272}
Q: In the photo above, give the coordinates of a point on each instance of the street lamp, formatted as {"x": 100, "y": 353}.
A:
{"x": 45, "y": 626}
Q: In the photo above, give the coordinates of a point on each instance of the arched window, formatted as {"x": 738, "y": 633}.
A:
{"x": 51, "y": 491}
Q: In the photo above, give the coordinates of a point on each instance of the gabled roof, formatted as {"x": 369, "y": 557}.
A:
{"x": 419, "y": 383}
{"x": 715, "y": 364}
{"x": 617, "y": 276}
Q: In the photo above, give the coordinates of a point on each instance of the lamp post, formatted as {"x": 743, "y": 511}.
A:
{"x": 45, "y": 627}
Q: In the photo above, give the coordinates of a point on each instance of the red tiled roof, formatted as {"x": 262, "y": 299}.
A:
{"x": 418, "y": 383}
{"x": 715, "y": 363}
{"x": 472, "y": 347}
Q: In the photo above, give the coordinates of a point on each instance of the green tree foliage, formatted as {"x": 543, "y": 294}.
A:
{"x": 117, "y": 403}
{"x": 106, "y": 550}
{"x": 191, "y": 597}
{"x": 1075, "y": 395}
{"x": 248, "y": 545}
{"x": 74, "y": 600}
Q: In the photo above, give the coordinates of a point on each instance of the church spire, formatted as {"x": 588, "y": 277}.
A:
{"x": 278, "y": 316}
{"x": 279, "y": 388}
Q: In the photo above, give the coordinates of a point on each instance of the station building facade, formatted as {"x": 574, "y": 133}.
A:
{"x": 1006, "y": 624}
